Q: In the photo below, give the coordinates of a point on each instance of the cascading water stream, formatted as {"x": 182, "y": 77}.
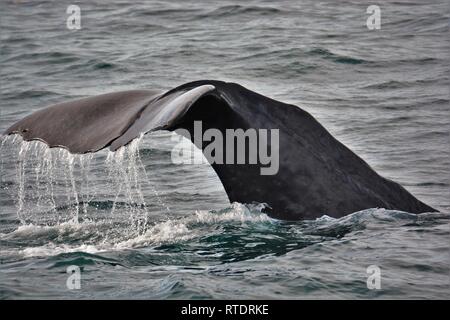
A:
{"x": 52, "y": 186}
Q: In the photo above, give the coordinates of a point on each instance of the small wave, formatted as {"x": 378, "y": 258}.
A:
{"x": 387, "y": 85}
{"x": 95, "y": 64}
{"x": 431, "y": 22}
{"x": 31, "y": 230}
{"x": 399, "y": 62}
{"x": 163, "y": 12}
{"x": 165, "y": 232}
{"x": 50, "y": 57}
{"x": 52, "y": 249}
{"x": 430, "y": 184}
{"x": 326, "y": 54}
{"x": 30, "y": 94}
{"x": 230, "y": 10}
{"x": 66, "y": 237}
{"x": 103, "y": 65}
{"x": 393, "y": 84}
{"x": 375, "y": 218}
{"x": 64, "y": 232}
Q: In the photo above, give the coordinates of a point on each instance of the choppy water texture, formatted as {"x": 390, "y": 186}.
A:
{"x": 139, "y": 226}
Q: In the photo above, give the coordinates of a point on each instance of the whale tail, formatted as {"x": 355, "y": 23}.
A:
{"x": 315, "y": 173}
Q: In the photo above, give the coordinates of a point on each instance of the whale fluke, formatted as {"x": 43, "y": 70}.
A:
{"x": 317, "y": 174}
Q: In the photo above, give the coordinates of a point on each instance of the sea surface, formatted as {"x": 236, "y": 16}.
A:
{"x": 137, "y": 226}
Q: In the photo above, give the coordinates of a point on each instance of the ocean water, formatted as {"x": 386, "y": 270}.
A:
{"x": 140, "y": 227}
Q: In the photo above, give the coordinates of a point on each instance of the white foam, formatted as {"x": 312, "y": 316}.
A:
{"x": 239, "y": 213}
{"x": 185, "y": 228}
{"x": 164, "y": 232}
{"x": 53, "y": 249}
{"x": 31, "y": 231}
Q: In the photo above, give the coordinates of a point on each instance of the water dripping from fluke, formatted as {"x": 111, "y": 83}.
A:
{"x": 51, "y": 186}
